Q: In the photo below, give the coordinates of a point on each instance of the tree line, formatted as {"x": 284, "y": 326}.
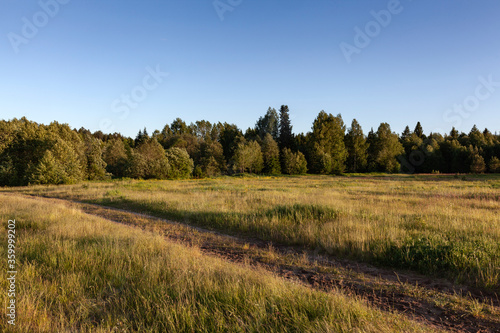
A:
{"x": 32, "y": 153}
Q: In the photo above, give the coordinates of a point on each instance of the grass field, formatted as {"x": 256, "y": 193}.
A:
{"x": 436, "y": 225}
{"x": 87, "y": 274}
{"x": 81, "y": 272}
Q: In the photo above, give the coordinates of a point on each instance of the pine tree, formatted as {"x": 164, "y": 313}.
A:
{"x": 285, "y": 129}
{"x": 141, "y": 137}
{"x": 371, "y": 141}
{"x": 454, "y": 133}
{"x": 406, "y": 133}
{"x": 419, "y": 131}
{"x": 476, "y": 137}
{"x": 268, "y": 124}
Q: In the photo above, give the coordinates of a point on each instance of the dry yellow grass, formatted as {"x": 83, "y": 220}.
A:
{"x": 87, "y": 274}
{"x": 434, "y": 224}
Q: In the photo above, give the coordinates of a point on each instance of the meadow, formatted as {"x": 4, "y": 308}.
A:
{"x": 82, "y": 272}
{"x": 436, "y": 225}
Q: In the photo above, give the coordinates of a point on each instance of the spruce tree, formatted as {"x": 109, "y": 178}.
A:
{"x": 419, "y": 131}
{"x": 285, "y": 129}
{"x": 268, "y": 124}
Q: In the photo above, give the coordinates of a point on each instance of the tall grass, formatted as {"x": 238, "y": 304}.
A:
{"x": 78, "y": 273}
{"x": 437, "y": 225}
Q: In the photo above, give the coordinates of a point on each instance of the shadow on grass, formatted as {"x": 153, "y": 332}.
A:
{"x": 468, "y": 260}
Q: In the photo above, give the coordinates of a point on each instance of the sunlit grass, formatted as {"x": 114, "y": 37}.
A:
{"x": 438, "y": 225}
{"x": 86, "y": 274}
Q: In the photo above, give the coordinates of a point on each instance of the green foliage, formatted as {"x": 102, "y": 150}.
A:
{"x": 149, "y": 161}
{"x": 141, "y": 137}
{"x": 269, "y": 124}
{"x": 179, "y": 127}
{"x": 59, "y": 165}
{"x": 181, "y": 165}
{"x": 48, "y": 171}
{"x": 443, "y": 255}
{"x": 301, "y": 213}
{"x": 385, "y": 148}
{"x": 285, "y": 129}
{"x": 202, "y": 129}
{"x": 476, "y": 137}
{"x": 227, "y": 138}
{"x": 477, "y": 164}
{"x": 356, "y": 146}
{"x": 328, "y": 151}
{"x": 494, "y": 165}
{"x": 419, "y": 132}
{"x": 96, "y": 166}
{"x": 294, "y": 163}
{"x": 209, "y": 159}
{"x": 25, "y": 156}
{"x": 248, "y": 158}
{"x": 271, "y": 155}
{"x": 219, "y": 148}
{"x": 116, "y": 157}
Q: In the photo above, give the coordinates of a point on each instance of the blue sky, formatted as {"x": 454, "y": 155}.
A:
{"x": 428, "y": 61}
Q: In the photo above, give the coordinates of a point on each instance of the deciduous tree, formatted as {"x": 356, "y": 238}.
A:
{"x": 356, "y": 146}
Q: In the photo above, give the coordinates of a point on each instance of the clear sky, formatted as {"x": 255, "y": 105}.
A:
{"x": 89, "y": 63}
